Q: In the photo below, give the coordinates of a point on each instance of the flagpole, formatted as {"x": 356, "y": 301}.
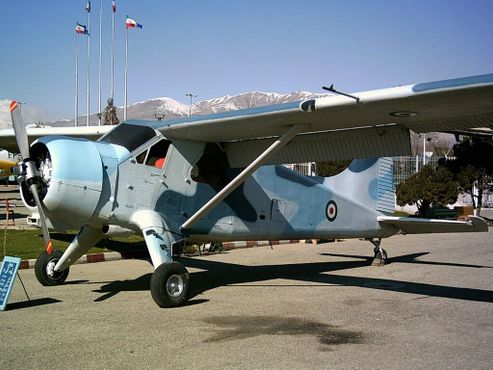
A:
{"x": 100, "y": 58}
{"x": 76, "y": 80}
{"x": 113, "y": 10}
{"x": 88, "y": 84}
{"x": 126, "y": 68}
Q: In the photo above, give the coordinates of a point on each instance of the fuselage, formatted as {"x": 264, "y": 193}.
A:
{"x": 135, "y": 168}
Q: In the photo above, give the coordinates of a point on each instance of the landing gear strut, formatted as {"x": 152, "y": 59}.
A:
{"x": 380, "y": 254}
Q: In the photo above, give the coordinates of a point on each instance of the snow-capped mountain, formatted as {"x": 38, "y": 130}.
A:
{"x": 248, "y": 100}
{"x": 169, "y": 108}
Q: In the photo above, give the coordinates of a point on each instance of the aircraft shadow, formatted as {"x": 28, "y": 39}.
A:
{"x": 408, "y": 258}
{"x": 219, "y": 274}
{"x": 142, "y": 283}
{"x": 111, "y": 289}
{"x": 31, "y": 303}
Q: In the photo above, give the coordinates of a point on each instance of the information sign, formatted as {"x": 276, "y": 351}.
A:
{"x": 8, "y": 272}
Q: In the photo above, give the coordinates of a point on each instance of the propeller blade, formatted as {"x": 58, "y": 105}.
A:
{"x": 44, "y": 228}
{"x": 23, "y": 144}
{"x": 19, "y": 129}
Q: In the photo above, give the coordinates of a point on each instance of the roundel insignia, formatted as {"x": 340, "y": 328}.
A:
{"x": 331, "y": 210}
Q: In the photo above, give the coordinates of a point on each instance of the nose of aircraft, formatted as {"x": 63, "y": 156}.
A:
{"x": 71, "y": 174}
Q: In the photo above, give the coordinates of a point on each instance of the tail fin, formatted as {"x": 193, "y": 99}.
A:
{"x": 367, "y": 181}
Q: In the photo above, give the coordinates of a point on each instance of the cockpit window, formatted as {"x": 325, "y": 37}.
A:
{"x": 157, "y": 154}
{"x": 154, "y": 156}
{"x": 129, "y": 136}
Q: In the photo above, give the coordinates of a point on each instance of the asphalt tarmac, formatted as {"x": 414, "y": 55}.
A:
{"x": 292, "y": 307}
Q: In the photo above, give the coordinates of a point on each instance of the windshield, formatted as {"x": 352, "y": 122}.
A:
{"x": 129, "y": 136}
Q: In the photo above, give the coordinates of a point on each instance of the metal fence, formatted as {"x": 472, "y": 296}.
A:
{"x": 307, "y": 169}
{"x": 403, "y": 167}
{"x": 407, "y": 166}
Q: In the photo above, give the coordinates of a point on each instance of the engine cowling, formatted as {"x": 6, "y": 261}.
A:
{"x": 71, "y": 173}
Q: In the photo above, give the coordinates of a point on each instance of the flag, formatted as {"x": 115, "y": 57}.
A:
{"x": 113, "y": 6}
{"x": 81, "y": 29}
{"x": 132, "y": 23}
{"x": 88, "y": 7}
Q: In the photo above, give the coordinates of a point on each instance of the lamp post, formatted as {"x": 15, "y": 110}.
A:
{"x": 191, "y": 96}
{"x": 424, "y": 149}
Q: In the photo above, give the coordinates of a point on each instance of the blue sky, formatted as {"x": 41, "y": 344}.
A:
{"x": 220, "y": 47}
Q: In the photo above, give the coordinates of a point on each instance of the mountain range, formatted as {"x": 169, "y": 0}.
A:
{"x": 168, "y": 108}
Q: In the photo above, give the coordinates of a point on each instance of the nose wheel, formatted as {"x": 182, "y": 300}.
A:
{"x": 169, "y": 284}
{"x": 44, "y": 269}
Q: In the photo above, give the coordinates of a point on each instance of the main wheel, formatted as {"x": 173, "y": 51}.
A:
{"x": 44, "y": 269}
{"x": 380, "y": 257}
{"x": 169, "y": 284}
{"x": 381, "y": 254}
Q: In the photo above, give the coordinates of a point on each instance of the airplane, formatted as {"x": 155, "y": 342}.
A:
{"x": 7, "y": 163}
{"x": 220, "y": 177}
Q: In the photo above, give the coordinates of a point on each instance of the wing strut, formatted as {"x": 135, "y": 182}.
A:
{"x": 238, "y": 180}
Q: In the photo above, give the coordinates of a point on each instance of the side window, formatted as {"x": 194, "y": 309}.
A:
{"x": 141, "y": 157}
{"x": 156, "y": 155}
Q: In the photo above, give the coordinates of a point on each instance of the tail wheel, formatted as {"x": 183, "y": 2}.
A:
{"x": 169, "y": 284}
{"x": 45, "y": 269}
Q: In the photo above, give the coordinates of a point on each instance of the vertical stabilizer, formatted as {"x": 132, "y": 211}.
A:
{"x": 367, "y": 181}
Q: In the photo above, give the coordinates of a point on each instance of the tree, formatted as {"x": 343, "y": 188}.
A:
{"x": 110, "y": 117}
{"x": 473, "y": 168}
{"x": 428, "y": 187}
{"x": 331, "y": 168}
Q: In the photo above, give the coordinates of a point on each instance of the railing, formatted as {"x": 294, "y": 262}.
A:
{"x": 407, "y": 166}
{"x": 8, "y": 206}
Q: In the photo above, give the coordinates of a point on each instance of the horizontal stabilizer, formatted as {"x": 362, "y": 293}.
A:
{"x": 409, "y": 225}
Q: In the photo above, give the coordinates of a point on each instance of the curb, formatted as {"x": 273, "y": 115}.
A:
{"x": 87, "y": 258}
{"x": 114, "y": 256}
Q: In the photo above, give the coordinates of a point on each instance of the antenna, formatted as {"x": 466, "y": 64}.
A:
{"x": 159, "y": 117}
{"x": 331, "y": 89}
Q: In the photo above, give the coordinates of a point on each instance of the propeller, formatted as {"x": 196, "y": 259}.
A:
{"x": 28, "y": 168}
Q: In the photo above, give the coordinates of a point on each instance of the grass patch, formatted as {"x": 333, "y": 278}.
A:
{"x": 28, "y": 244}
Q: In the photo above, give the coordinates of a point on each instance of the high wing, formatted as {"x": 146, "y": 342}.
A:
{"x": 377, "y": 123}
{"x": 8, "y": 142}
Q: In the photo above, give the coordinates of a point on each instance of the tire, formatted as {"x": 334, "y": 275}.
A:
{"x": 381, "y": 254}
{"x": 46, "y": 261}
{"x": 169, "y": 284}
